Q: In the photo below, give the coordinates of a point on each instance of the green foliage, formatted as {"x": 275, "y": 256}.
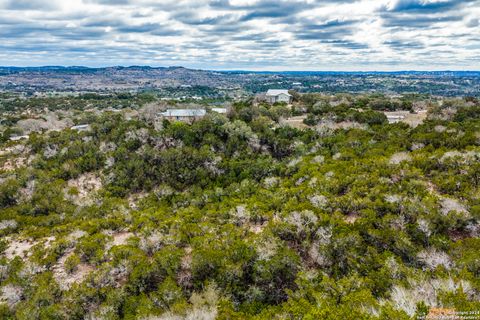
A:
{"x": 8, "y": 192}
{"x": 466, "y": 253}
{"x": 3, "y": 245}
{"x": 71, "y": 263}
{"x": 168, "y": 294}
{"x": 90, "y": 248}
{"x": 245, "y": 217}
{"x": 467, "y": 113}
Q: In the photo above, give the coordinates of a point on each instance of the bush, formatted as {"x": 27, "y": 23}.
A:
{"x": 71, "y": 263}
{"x": 90, "y": 248}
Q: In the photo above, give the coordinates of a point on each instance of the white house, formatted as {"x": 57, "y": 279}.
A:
{"x": 277, "y": 95}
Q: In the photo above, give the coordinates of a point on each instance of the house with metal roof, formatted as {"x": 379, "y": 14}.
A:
{"x": 220, "y": 110}
{"x": 18, "y": 138}
{"x": 81, "y": 127}
{"x": 278, "y": 95}
{"x": 185, "y": 115}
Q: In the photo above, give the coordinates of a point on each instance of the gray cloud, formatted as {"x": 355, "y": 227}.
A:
{"x": 414, "y": 21}
{"x": 142, "y": 28}
{"x": 349, "y": 44}
{"x": 473, "y": 23}
{"x": 330, "y": 30}
{"x": 37, "y": 5}
{"x": 109, "y": 2}
{"x": 190, "y": 17}
{"x": 275, "y": 9}
{"x": 422, "y": 6}
{"x": 404, "y": 45}
{"x": 265, "y": 8}
{"x": 411, "y": 14}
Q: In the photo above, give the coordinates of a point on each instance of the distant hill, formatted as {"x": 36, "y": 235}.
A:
{"x": 120, "y": 78}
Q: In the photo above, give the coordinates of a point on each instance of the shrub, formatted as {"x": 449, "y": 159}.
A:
{"x": 71, "y": 263}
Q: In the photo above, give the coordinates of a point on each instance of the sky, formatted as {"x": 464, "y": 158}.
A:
{"x": 322, "y": 35}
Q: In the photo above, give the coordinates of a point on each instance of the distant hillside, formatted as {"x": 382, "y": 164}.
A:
{"x": 78, "y": 78}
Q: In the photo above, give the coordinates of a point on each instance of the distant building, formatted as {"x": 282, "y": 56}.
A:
{"x": 220, "y": 110}
{"x": 395, "y": 118}
{"x": 113, "y": 110}
{"x": 277, "y": 95}
{"x": 81, "y": 127}
{"x": 17, "y": 138}
{"x": 185, "y": 115}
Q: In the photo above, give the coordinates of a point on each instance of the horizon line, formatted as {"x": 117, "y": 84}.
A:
{"x": 240, "y": 70}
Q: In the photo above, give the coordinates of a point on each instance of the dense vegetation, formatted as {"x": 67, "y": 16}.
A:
{"x": 240, "y": 217}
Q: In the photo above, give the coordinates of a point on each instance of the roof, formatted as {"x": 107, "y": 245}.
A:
{"x": 184, "y": 113}
{"x": 80, "y": 126}
{"x": 277, "y": 92}
{"x": 16, "y": 138}
{"x": 219, "y": 110}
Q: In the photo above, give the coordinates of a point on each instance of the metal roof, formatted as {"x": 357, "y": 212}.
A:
{"x": 184, "y": 113}
{"x": 276, "y": 92}
{"x": 16, "y": 138}
{"x": 80, "y": 127}
{"x": 219, "y": 110}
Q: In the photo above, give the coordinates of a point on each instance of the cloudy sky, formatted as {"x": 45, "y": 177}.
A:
{"x": 243, "y": 34}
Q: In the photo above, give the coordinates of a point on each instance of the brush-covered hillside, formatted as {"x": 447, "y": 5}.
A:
{"x": 242, "y": 216}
